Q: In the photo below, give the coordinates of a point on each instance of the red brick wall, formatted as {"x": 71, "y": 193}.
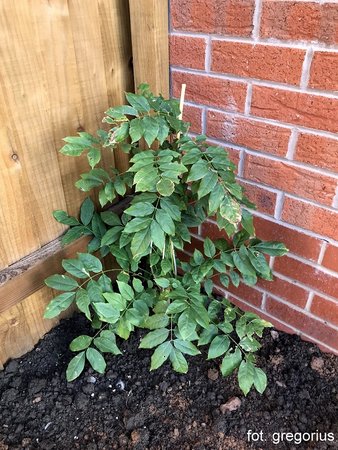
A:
{"x": 262, "y": 80}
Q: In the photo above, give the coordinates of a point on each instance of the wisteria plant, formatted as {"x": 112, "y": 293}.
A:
{"x": 174, "y": 183}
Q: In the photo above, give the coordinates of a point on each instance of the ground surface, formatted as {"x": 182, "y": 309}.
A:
{"x": 163, "y": 410}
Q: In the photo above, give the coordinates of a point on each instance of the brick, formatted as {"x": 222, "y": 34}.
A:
{"x": 319, "y": 151}
{"x": 324, "y": 73}
{"x": 265, "y": 62}
{"x": 247, "y": 293}
{"x": 231, "y": 17}
{"x": 298, "y": 243}
{"x": 193, "y": 114}
{"x": 288, "y": 178}
{"x": 308, "y": 110}
{"x": 311, "y": 217}
{"x": 186, "y": 51}
{"x": 308, "y": 275}
{"x": 289, "y": 291}
{"x": 297, "y": 20}
{"x": 253, "y": 134}
{"x": 308, "y": 325}
{"x": 264, "y": 200}
{"x": 279, "y": 325}
{"x": 330, "y": 260}
{"x": 210, "y": 91}
{"x": 325, "y": 309}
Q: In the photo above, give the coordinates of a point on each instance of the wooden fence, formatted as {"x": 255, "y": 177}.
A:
{"x": 62, "y": 64}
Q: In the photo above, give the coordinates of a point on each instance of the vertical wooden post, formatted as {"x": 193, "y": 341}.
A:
{"x": 149, "y": 34}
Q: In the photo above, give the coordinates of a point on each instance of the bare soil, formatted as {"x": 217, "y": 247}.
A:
{"x": 132, "y": 408}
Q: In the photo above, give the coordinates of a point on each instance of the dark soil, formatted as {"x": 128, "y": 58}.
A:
{"x": 131, "y": 408}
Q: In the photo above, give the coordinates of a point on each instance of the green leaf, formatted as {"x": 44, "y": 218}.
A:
{"x": 75, "y": 366}
{"x": 230, "y": 362}
{"x": 137, "y": 224}
{"x": 247, "y": 222}
{"x": 165, "y": 222}
{"x": 234, "y": 277}
{"x": 151, "y": 128}
{"x": 119, "y": 112}
{"x": 136, "y": 130}
{"x": 208, "y": 287}
{"x": 72, "y": 150}
{"x": 111, "y": 236}
{"x": 207, "y": 184}
{"x": 157, "y": 235}
{"x": 163, "y": 130}
{"x": 140, "y": 209}
{"x": 126, "y": 291}
{"x": 106, "y": 343}
{"x": 110, "y": 218}
{"x": 192, "y": 156}
{"x": 146, "y": 180}
{"x": 83, "y": 302}
{"x": 154, "y": 338}
{"x": 120, "y": 186}
{"x": 186, "y": 347}
{"x": 61, "y": 283}
{"x": 165, "y": 187}
{"x": 246, "y": 375}
{"x": 230, "y": 210}
{"x": 106, "y": 312}
{"x": 178, "y": 361}
{"x": 218, "y": 346}
{"x": 198, "y": 170}
{"x": 243, "y": 264}
{"x": 137, "y": 285}
{"x": 260, "y": 380}
{"x": 260, "y": 264}
{"x": 208, "y": 334}
{"x": 80, "y": 343}
{"x": 120, "y": 133}
{"x": 75, "y": 268}
{"x": 160, "y": 355}
{"x": 138, "y": 102}
{"x": 90, "y": 262}
{"x": 162, "y": 282}
{"x": 94, "y": 157}
{"x": 209, "y": 248}
{"x": 96, "y": 360}
{"x": 140, "y": 243}
{"x": 116, "y": 300}
{"x": 177, "y": 306}
{"x": 73, "y": 234}
{"x": 63, "y": 217}
{"x": 271, "y": 248}
{"x": 186, "y": 326}
{"x": 216, "y": 198}
{"x": 156, "y": 321}
{"x": 59, "y": 304}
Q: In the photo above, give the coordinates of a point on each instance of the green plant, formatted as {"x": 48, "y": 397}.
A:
{"x": 176, "y": 185}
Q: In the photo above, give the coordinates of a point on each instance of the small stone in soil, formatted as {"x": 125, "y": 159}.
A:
{"x": 213, "y": 374}
{"x": 317, "y": 364}
{"x": 231, "y": 405}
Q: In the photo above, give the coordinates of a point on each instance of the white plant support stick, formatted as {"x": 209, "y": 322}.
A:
{"x": 181, "y": 105}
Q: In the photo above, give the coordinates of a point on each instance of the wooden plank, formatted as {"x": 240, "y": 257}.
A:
{"x": 31, "y": 185}
{"x": 23, "y": 325}
{"x": 27, "y": 276}
{"x": 149, "y": 32}
{"x": 117, "y": 56}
